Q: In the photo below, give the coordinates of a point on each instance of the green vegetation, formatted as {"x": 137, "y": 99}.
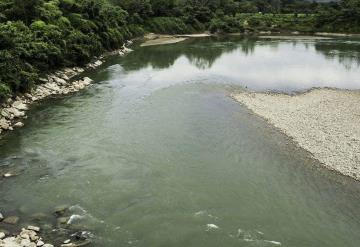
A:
{"x": 37, "y": 36}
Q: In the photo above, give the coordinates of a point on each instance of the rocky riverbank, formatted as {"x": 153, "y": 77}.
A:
{"x": 324, "y": 122}
{"x": 61, "y": 82}
{"x": 59, "y": 227}
{"x": 26, "y": 238}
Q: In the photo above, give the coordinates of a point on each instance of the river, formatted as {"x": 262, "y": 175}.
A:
{"x": 156, "y": 153}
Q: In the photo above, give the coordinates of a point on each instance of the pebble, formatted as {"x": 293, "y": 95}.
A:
{"x": 34, "y": 228}
{"x": 25, "y": 242}
{"x": 19, "y": 124}
{"x": 7, "y": 175}
{"x": 1, "y": 217}
{"x": 67, "y": 241}
{"x": 2, "y": 235}
{"x": 40, "y": 243}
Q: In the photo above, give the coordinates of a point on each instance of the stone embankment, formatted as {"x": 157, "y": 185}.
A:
{"x": 62, "y": 82}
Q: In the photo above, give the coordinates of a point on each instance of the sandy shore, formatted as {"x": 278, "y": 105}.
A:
{"x": 325, "y": 122}
{"x": 161, "y": 39}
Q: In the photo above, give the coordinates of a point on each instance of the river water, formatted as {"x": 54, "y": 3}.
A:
{"x": 156, "y": 150}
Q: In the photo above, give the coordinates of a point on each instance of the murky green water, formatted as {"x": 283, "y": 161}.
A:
{"x": 156, "y": 150}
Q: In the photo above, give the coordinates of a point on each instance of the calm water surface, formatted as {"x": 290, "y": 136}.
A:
{"x": 155, "y": 150}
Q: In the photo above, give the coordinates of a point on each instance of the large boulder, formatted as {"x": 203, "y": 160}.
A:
{"x": 20, "y": 105}
{"x": 4, "y": 124}
{"x": 17, "y": 113}
{"x": 59, "y": 81}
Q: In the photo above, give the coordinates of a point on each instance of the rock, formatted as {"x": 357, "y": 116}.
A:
{"x": 9, "y": 101}
{"x": 2, "y": 235}
{"x": 67, "y": 241}
{"x": 6, "y": 114}
{"x": 15, "y": 112}
{"x": 19, "y": 125}
{"x": 79, "y": 70}
{"x": 10, "y": 242}
{"x": 68, "y": 245}
{"x": 4, "y": 124}
{"x": 43, "y": 80}
{"x": 1, "y": 217}
{"x": 11, "y": 220}
{"x": 52, "y": 87}
{"x": 34, "y": 228}
{"x": 24, "y": 235}
{"x": 27, "y": 95}
{"x": 7, "y": 233}
{"x": 48, "y": 245}
{"x": 86, "y": 80}
{"x": 8, "y": 174}
{"x": 20, "y": 105}
{"x": 25, "y": 242}
{"x": 77, "y": 244}
{"x": 65, "y": 77}
{"x": 61, "y": 210}
{"x": 98, "y": 63}
{"x": 59, "y": 81}
{"x": 69, "y": 72}
{"x": 40, "y": 243}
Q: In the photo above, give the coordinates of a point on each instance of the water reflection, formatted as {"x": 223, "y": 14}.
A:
{"x": 283, "y": 64}
{"x": 346, "y": 53}
{"x": 201, "y": 54}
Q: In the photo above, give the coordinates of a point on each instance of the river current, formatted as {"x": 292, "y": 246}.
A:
{"x": 156, "y": 153}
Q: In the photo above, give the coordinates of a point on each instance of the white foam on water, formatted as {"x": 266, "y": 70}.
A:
{"x": 254, "y": 236}
{"x": 273, "y": 242}
{"x": 74, "y": 217}
{"x": 200, "y": 213}
{"x": 211, "y": 227}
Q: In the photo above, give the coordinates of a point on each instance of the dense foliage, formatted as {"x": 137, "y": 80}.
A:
{"x": 37, "y": 36}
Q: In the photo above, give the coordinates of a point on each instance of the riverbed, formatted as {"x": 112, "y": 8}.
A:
{"x": 156, "y": 153}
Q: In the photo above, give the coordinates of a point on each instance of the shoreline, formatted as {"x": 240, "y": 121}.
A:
{"x": 61, "y": 82}
{"x": 323, "y": 121}
{"x": 44, "y": 229}
{"x": 152, "y": 39}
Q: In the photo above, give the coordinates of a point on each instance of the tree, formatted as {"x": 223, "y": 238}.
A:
{"x": 27, "y": 11}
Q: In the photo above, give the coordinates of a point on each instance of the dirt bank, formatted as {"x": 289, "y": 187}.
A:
{"x": 325, "y": 122}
